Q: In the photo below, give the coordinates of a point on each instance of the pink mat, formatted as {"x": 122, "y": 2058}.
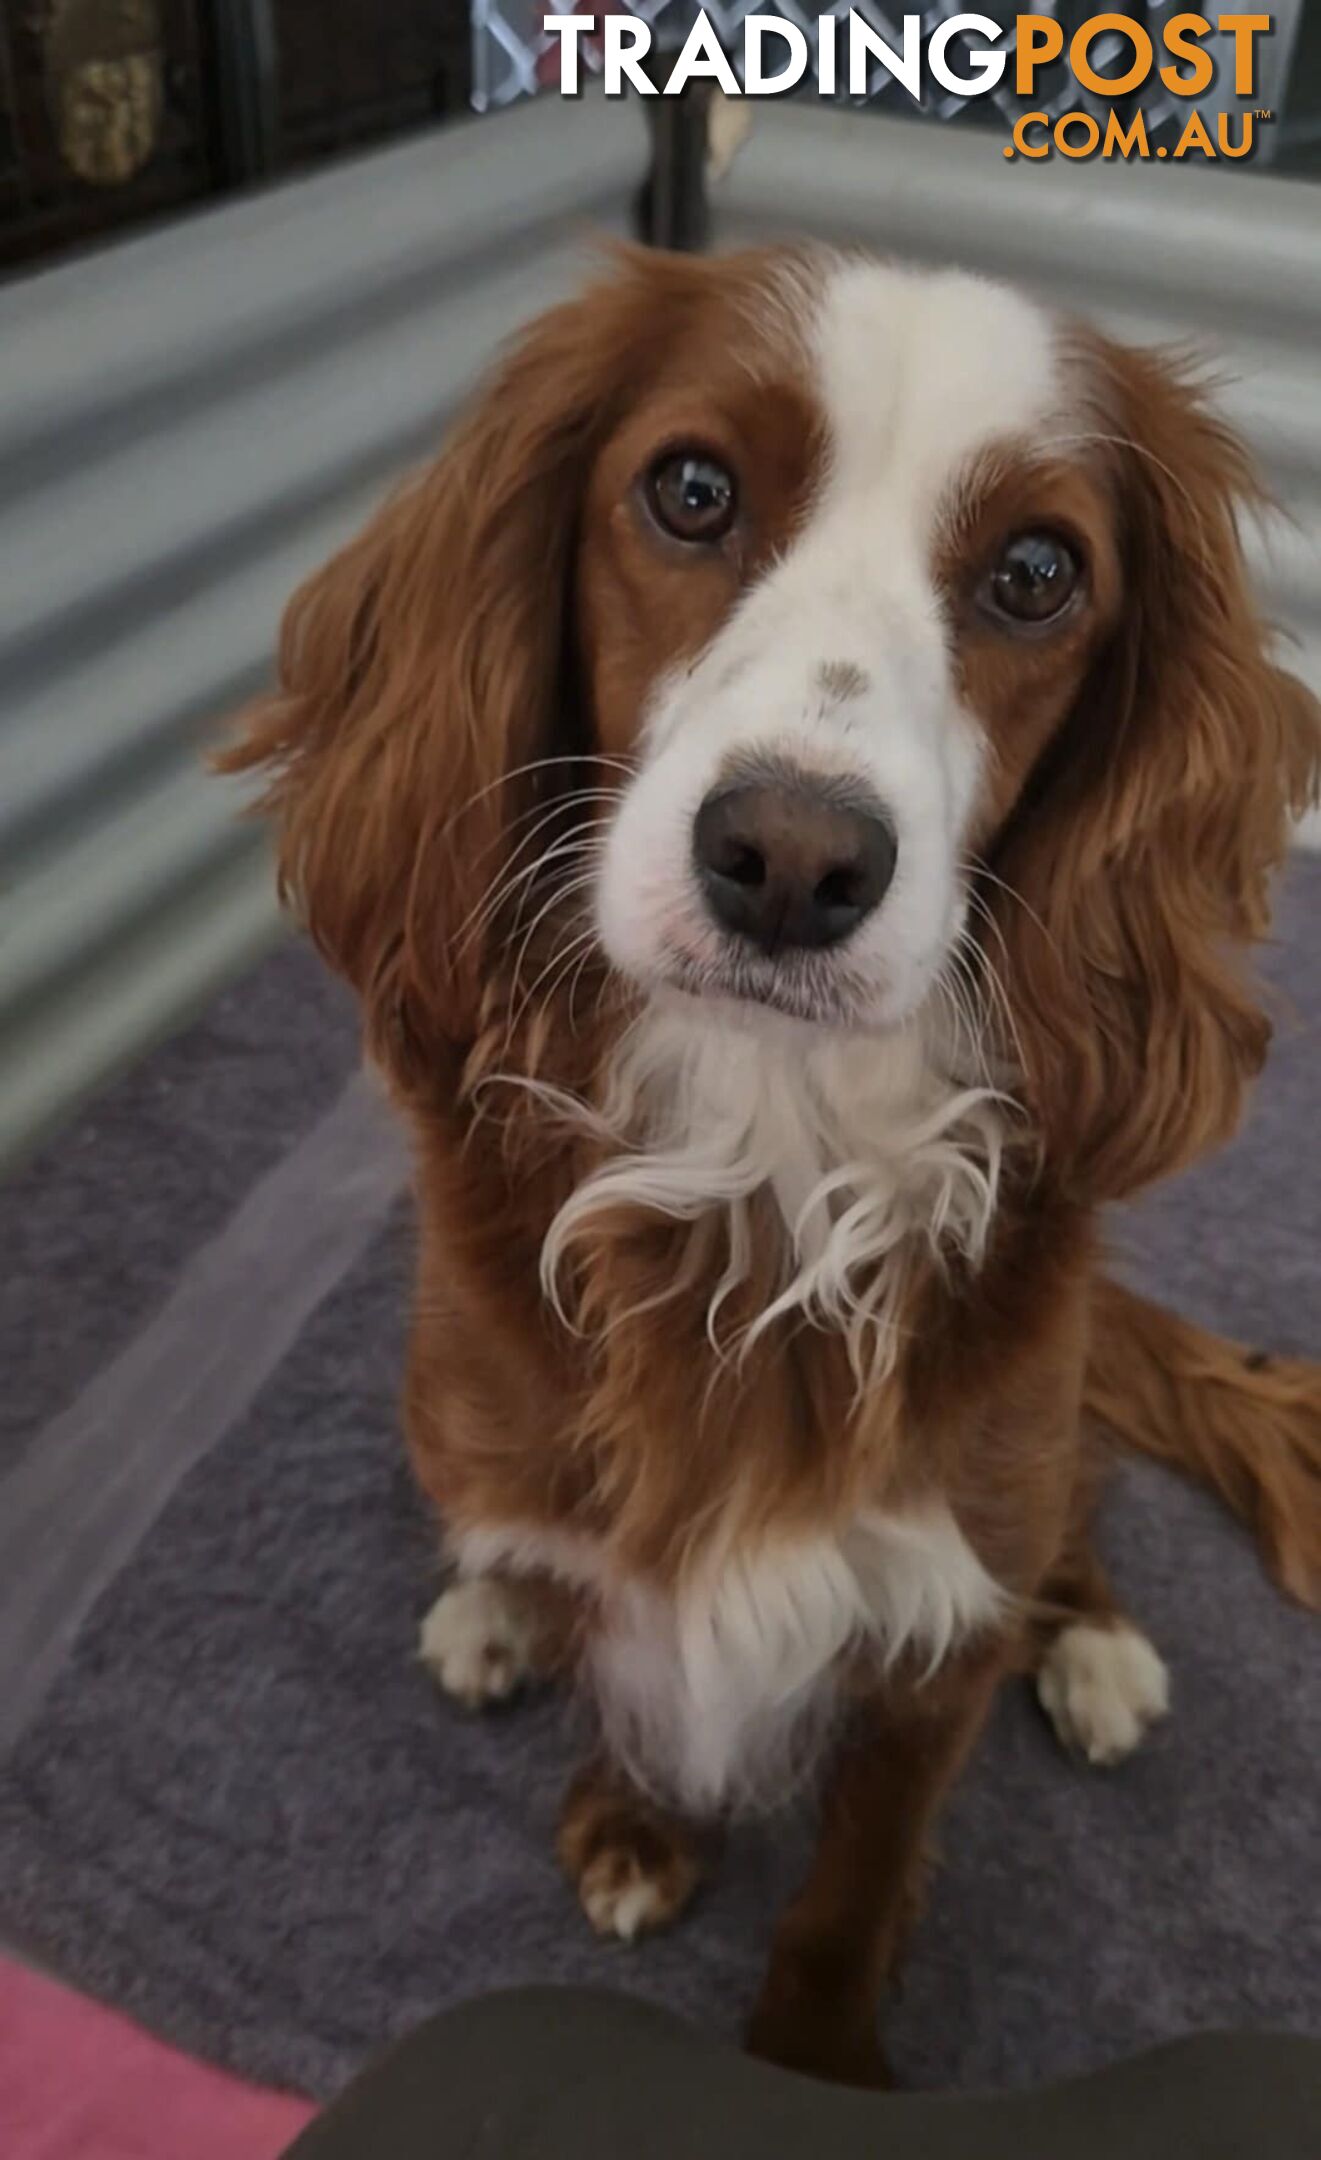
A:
{"x": 81, "y": 2083}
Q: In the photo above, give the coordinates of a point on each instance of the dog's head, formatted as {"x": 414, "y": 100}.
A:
{"x": 793, "y": 632}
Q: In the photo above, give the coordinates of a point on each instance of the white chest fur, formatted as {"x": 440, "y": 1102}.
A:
{"x": 720, "y": 1695}
{"x": 870, "y": 1149}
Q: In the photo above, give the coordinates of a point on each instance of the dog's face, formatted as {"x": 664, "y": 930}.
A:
{"x": 844, "y": 565}
{"x": 785, "y": 631}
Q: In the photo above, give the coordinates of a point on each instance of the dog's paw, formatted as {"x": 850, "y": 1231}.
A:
{"x": 479, "y": 1640}
{"x": 623, "y": 1898}
{"x": 1101, "y": 1687}
{"x": 633, "y": 1867}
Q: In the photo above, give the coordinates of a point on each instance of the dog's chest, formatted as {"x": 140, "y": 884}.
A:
{"x": 720, "y": 1695}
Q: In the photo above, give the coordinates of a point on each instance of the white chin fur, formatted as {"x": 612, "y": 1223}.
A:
{"x": 869, "y": 1151}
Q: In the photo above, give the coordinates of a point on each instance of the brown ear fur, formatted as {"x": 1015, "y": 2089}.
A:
{"x": 1141, "y": 854}
{"x": 425, "y": 669}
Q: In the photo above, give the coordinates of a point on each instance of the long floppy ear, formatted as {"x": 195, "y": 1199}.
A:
{"x": 425, "y": 685}
{"x": 1141, "y": 854}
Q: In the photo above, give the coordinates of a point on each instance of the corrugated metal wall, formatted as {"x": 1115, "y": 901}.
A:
{"x": 190, "y": 422}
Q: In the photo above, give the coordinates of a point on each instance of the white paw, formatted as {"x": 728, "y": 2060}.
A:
{"x": 624, "y": 1905}
{"x": 479, "y": 1640}
{"x": 1101, "y": 1687}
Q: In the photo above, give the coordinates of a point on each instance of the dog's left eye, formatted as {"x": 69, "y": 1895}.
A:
{"x": 1033, "y": 579}
{"x": 692, "y": 496}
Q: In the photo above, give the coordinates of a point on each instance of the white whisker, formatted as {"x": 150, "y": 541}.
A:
{"x": 558, "y": 851}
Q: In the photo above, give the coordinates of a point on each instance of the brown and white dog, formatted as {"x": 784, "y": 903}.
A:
{"x": 793, "y": 786}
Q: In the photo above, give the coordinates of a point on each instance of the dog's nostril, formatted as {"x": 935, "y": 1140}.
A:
{"x": 745, "y": 864}
{"x": 841, "y": 888}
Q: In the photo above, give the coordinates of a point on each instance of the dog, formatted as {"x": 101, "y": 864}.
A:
{"x": 794, "y": 786}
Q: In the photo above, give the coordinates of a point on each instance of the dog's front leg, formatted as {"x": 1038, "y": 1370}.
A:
{"x": 838, "y": 1942}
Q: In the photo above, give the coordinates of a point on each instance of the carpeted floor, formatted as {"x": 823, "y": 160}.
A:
{"x": 234, "y": 1806}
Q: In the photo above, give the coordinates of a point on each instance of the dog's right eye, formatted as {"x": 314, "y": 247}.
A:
{"x": 692, "y": 496}
{"x": 1033, "y": 580}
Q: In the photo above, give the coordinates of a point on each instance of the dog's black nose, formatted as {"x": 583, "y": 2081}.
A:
{"x": 788, "y": 864}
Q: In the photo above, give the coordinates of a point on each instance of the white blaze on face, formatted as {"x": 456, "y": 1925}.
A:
{"x": 916, "y": 374}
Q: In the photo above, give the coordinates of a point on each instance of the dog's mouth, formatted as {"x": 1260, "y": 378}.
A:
{"x": 798, "y": 988}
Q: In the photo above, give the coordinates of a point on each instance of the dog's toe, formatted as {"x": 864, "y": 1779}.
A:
{"x": 1102, "y": 1687}
{"x": 622, "y": 1900}
{"x": 479, "y": 1640}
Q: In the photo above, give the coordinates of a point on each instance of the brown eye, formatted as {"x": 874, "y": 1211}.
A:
{"x": 1034, "y": 579}
{"x": 692, "y": 496}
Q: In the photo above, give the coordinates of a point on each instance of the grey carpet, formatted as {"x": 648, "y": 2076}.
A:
{"x": 241, "y": 1812}
{"x": 97, "y": 1226}
{"x": 72, "y": 1516}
